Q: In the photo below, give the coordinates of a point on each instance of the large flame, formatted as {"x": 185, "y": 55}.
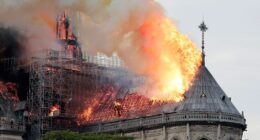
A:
{"x": 175, "y": 58}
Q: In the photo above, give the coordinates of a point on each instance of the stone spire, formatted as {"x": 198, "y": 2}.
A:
{"x": 203, "y": 29}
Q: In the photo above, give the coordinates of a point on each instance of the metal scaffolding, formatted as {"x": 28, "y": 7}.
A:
{"x": 49, "y": 84}
{"x": 55, "y": 79}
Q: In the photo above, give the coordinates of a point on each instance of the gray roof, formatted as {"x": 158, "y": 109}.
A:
{"x": 205, "y": 95}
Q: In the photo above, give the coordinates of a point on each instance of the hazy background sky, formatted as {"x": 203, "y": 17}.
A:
{"x": 232, "y": 48}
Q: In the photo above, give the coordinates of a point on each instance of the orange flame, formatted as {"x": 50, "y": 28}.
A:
{"x": 87, "y": 113}
{"x": 175, "y": 58}
{"x": 54, "y": 110}
{"x": 174, "y": 62}
{"x": 104, "y": 106}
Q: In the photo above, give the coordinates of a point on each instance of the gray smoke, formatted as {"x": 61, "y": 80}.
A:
{"x": 105, "y": 25}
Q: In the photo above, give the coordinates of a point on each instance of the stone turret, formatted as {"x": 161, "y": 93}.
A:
{"x": 211, "y": 112}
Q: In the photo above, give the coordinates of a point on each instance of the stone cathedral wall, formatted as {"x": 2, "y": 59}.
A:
{"x": 195, "y": 132}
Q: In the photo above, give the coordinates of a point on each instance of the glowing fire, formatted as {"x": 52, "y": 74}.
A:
{"x": 8, "y": 91}
{"x": 87, "y": 114}
{"x": 175, "y": 58}
{"x": 104, "y": 106}
{"x": 175, "y": 62}
{"x": 54, "y": 110}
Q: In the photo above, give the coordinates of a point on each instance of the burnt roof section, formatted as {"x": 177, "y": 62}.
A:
{"x": 205, "y": 95}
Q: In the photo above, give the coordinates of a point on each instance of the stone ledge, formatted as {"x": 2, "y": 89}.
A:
{"x": 162, "y": 119}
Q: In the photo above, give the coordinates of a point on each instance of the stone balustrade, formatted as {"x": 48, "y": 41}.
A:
{"x": 159, "y": 120}
{"x": 12, "y": 127}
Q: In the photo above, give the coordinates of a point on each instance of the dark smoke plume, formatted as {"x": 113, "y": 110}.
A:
{"x": 11, "y": 50}
{"x": 10, "y": 43}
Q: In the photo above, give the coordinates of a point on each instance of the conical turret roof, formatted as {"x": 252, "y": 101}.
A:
{"x": 205, "y": 95}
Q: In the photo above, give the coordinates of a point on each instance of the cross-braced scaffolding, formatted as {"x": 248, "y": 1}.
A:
{"x": 56, "y": 81}
{"x": 50, "y": 85}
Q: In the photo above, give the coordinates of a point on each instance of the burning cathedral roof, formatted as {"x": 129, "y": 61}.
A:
{"x": 205, "y": 100}
{"x": 204, "y": 96}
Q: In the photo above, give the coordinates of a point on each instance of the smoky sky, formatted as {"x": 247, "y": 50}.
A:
{"x": 10, "y": 43}
{"x": 11, "y": 48}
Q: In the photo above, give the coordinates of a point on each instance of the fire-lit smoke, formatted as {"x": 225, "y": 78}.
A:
{"x": 174, "y": 59}
{"x": 137, "y": 30}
